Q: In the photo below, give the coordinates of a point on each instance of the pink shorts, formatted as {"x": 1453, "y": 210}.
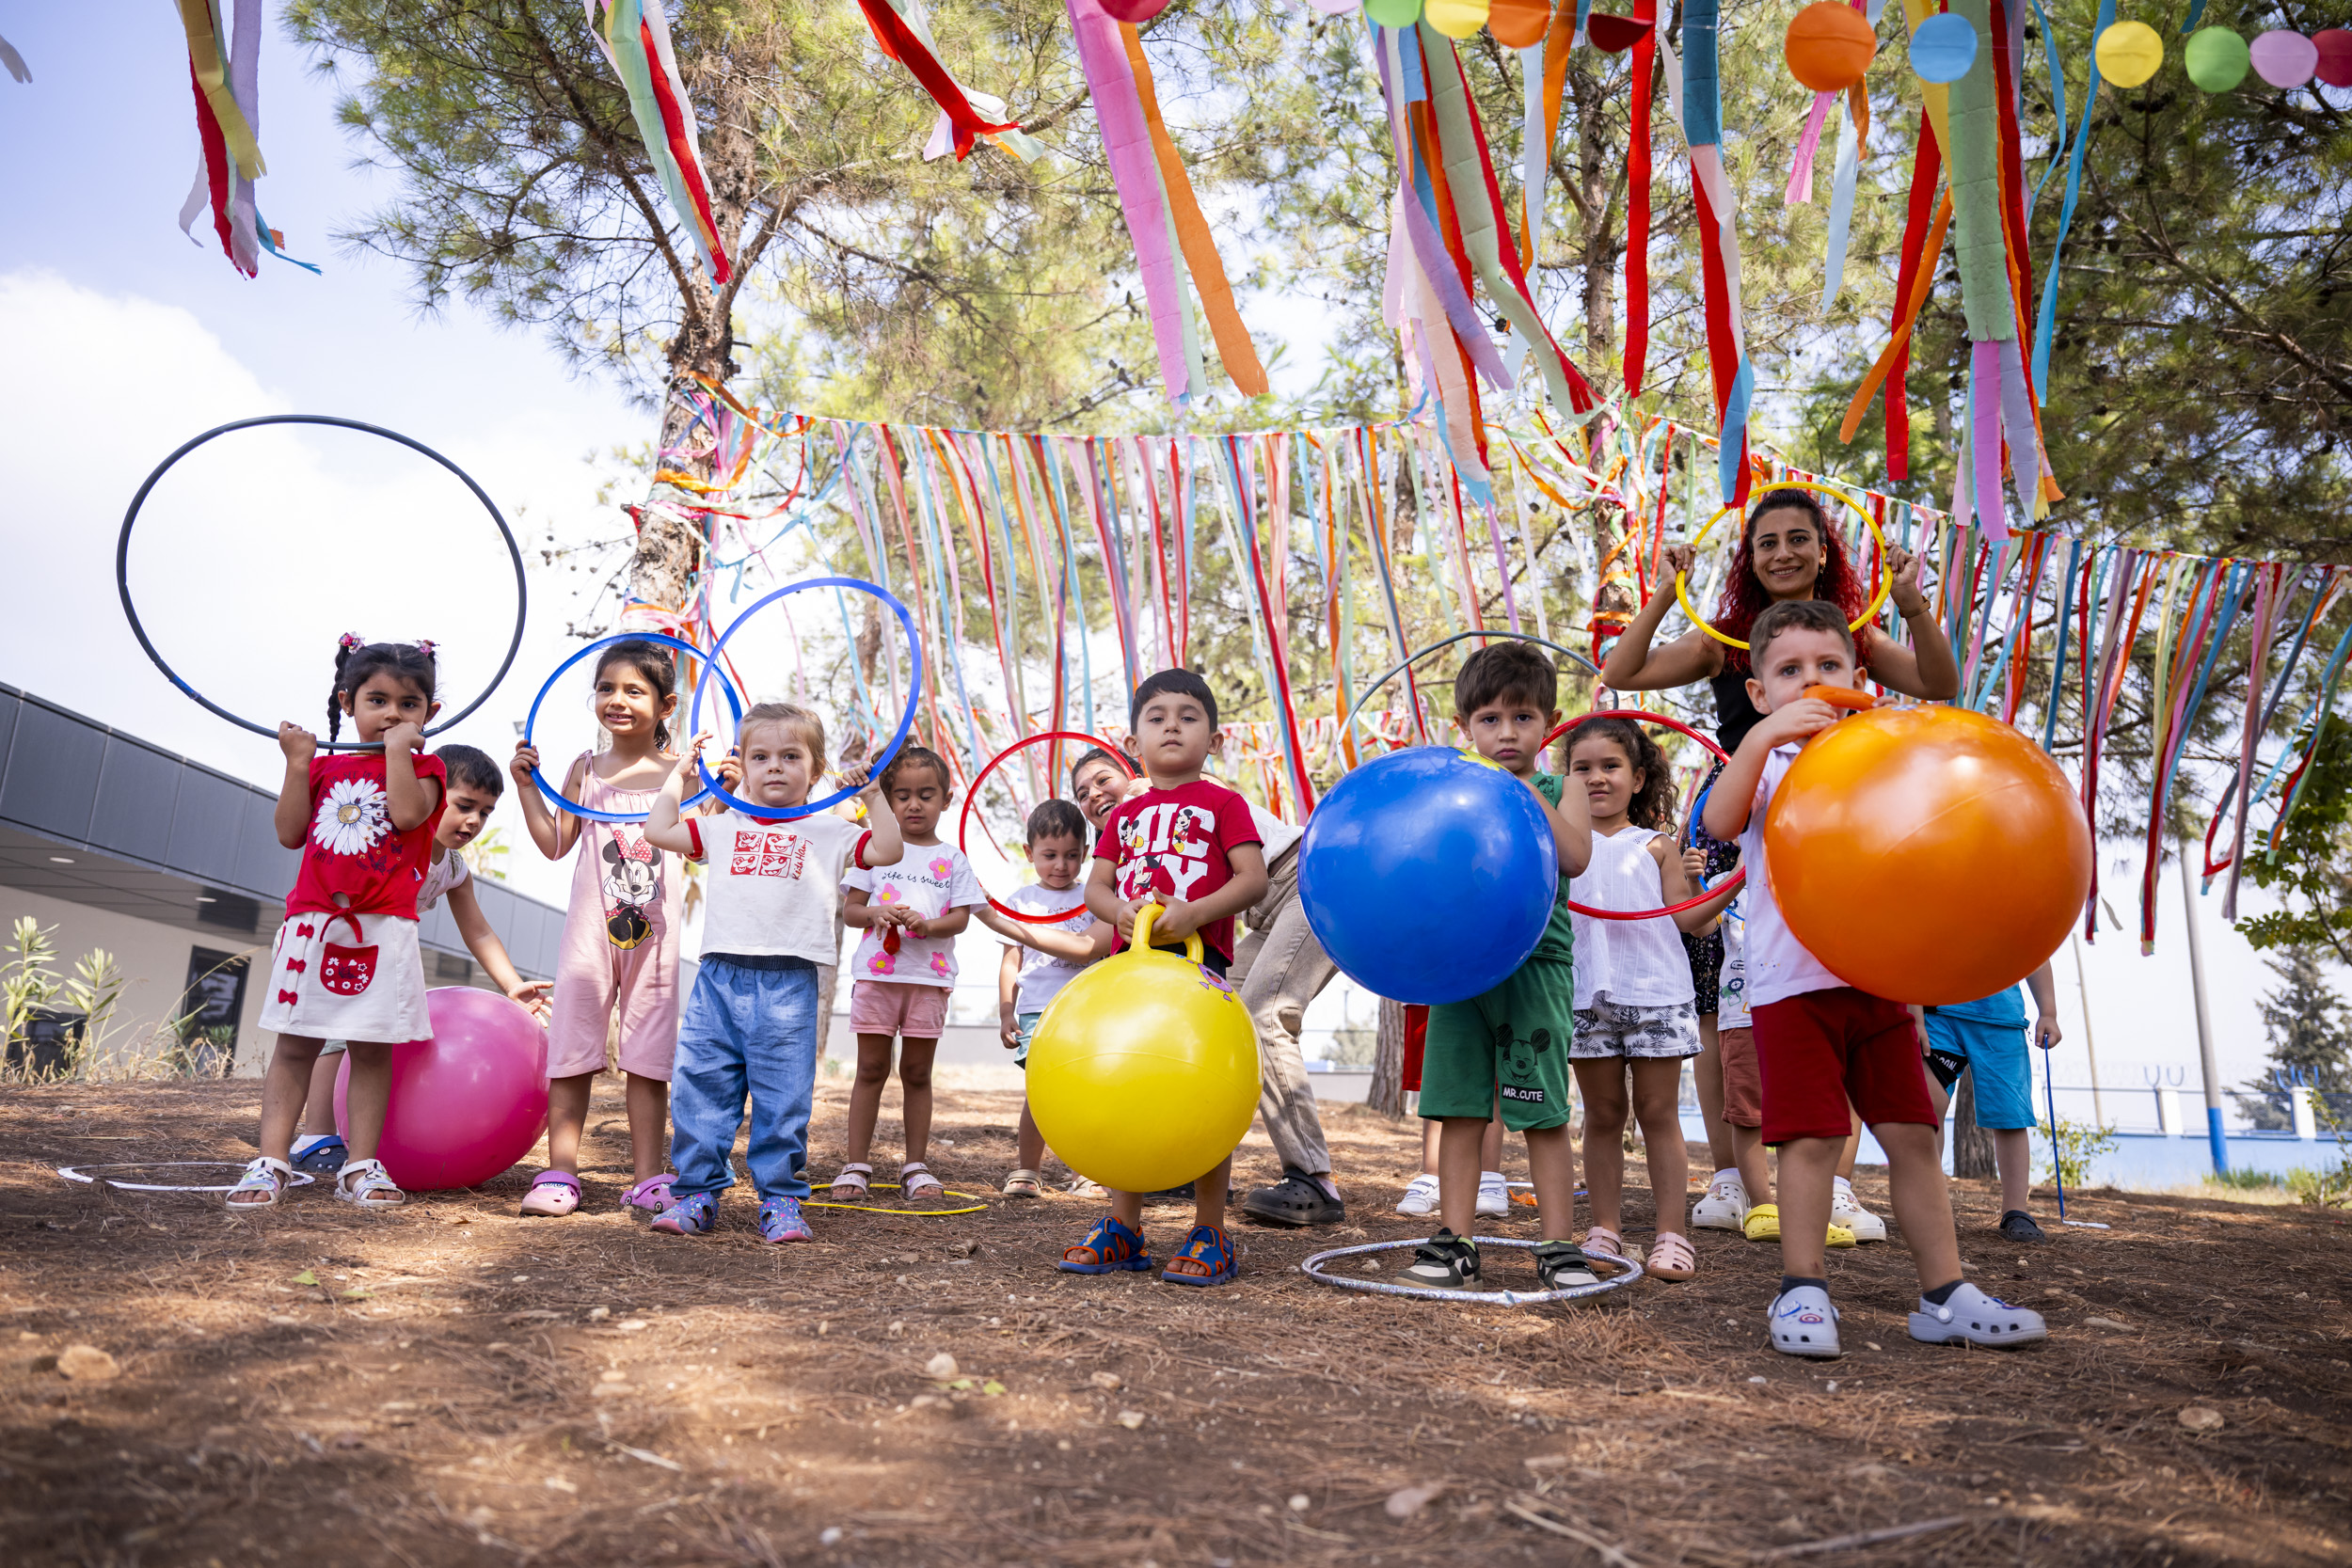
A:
{"x": 891, "y": 1007}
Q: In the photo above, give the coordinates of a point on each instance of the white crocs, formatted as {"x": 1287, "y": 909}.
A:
{"x": 1724, "y": 1208}
{"x": 1804, "y": 1323}
{"x": 1972, "y": 1316}
{"x": 1421, "y": 1196}
{"x": 1845, "y": 1210}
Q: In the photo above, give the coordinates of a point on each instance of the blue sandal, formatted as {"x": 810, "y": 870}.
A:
{"x": 780, "y": 1220}
{"x": 695, "y": 1214}
{"x": 1110, "y": 1247}
{"x": 1207, "y": 1246}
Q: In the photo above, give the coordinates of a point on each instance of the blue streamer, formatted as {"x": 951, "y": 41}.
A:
{"x": 2045, "y": 321}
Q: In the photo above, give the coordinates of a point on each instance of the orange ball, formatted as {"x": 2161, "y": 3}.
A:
{"x": 1927, "y": 855}
{"x": 1829, "y": 46}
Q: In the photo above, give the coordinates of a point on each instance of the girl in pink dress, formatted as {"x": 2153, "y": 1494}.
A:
{"x": 620, "y": 938}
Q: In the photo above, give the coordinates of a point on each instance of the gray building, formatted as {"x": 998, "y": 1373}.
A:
{"x": 176, "y": 870}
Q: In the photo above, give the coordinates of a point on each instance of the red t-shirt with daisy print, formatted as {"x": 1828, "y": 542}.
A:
{"x": 353, "y": 848}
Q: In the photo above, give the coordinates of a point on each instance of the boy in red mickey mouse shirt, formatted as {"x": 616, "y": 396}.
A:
{"x": 1188, "y": 846}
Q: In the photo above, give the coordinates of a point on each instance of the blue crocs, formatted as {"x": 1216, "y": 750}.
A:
{"x": 1205, "y": 1259}
{"x": 780, "y": 1220}
{"x": 322, "y": 1156}
{"x": 1110, "y": 1247}
{"x": 695, "y": 1214}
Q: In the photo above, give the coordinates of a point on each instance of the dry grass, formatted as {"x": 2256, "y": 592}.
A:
{"x": 463, "y": 1387}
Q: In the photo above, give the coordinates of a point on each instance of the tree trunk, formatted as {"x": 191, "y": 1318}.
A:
{"x": 1386, "y": 1095}
{"x": 1971, "y": 1145}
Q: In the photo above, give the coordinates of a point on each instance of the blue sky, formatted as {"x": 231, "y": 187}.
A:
{"x": 125, "y": 340}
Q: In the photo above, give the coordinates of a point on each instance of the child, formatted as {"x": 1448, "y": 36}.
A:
{"x": 474, "y": 787}
{"x": 1191, "y": 847}
{"x": 1986, "y": 1039}
{"x": 620, "y": 938}
{"x": 1634, "y": 999}
{"x": 751, "y": 1027}
{"x": 905, "y": 966}
{"x": 1512, "y": 1040}
{"x": 1040, "y": 959}
{"x": 364, "y": 823}
{"x": 1821, "y": 1043}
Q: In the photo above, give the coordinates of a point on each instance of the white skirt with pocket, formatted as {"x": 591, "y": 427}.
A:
{"x": 336, "y": 975}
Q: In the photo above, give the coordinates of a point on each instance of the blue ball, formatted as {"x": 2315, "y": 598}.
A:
{"x": 1944, "y": 48}
{"x": 1428, "y": 875}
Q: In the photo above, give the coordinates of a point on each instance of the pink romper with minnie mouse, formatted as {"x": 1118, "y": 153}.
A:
{"x": 903, "y": 981}
{"x": 620, "y": 943}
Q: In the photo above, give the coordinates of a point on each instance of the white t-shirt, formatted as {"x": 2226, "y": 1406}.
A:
{"x": 1778, "y": 965}
{"x": 930, "y": 880}
{"x": 771, "y": 886}
{"x": 441, "y": 875}
{"x": 1043, "y": 974}
{"x": 1634, "y": 963}
{"x": 1274, "y": 834}
{"x": 1732, "y": 993}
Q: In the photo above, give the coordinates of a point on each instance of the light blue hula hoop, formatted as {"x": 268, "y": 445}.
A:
{"x": 906, "y": 721}
{"x": 532, "y": 718}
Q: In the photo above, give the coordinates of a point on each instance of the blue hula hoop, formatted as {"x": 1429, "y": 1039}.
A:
{"x": 532, "y": 718}
{"x": 906, "y": 721}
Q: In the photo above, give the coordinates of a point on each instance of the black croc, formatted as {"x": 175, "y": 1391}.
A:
{"x": 1297, "y": 1199}
{"x": 2018, "y": 1227}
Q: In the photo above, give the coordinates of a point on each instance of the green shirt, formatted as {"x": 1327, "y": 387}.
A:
{"x": 1559, "y": 938}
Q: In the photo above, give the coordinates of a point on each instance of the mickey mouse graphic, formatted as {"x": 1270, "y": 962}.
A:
{"x": 1519, "y": 1060}
{"x": 633, "y": 882}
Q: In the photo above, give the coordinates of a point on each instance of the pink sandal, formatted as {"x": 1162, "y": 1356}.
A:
{"x": 648, "y": 1198}
{"x": 1605, "y": 1242}
{"x": 553, "y": 1193}
{"x": 1671, "y": 1256}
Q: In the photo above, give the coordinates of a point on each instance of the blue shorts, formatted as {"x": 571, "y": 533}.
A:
{"x": 1996, "y": 1055}
{"x": 1025, "y": 1031}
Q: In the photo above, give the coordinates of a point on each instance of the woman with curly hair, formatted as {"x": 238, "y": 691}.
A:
{"x": 1787, "y": 550}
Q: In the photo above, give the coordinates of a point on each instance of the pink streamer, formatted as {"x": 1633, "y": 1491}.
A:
{"x": 1136, "y": 171}
{"x": 1800, "y": 169}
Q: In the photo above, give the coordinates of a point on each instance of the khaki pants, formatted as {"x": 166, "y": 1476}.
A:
{"x": 1278, "y": 969}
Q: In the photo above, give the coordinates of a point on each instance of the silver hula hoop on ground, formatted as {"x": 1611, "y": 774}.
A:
{"x": 1630, "y": 1270}
{"x": 82, "y": 1174}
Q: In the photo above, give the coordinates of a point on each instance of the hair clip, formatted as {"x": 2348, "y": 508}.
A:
{"x": 426, "y": 644}
{"x": 350, "y": 642}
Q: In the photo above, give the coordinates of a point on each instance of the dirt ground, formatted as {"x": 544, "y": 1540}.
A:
{"x": 462, "y": 1386}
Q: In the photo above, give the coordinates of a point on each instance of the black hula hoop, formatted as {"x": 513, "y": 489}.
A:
{"x": 130, "y": 612}
{"x": 1347, "y": 724}
{"x": 1634, "y": 715}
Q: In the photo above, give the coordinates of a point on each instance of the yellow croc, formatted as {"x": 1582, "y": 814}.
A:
{"x": 1763, "y": 1223}
{"x": 1839, "y": 1236}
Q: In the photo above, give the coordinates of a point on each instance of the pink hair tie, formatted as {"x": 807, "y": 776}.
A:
{"x": 427, "y": 645}
{"x": 350, "y": 642}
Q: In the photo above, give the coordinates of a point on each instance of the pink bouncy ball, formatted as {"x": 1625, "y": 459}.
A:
{"x": 467, "y": 1103}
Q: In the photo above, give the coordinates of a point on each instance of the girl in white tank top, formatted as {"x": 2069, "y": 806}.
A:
{"x": 1634, "y": 1003}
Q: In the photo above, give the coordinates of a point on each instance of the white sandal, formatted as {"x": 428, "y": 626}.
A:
{"x": 1025, "y": 1183}
{"x": 369, "y": 1185}
{"x": 849, "y": 1186}
{"x": 916, "y": 1181}
{"x": 263, "y": 1181}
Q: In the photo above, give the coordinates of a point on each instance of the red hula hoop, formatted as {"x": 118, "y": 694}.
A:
{"x": 972, "y": 797}
{"x": 1739, "y": 877}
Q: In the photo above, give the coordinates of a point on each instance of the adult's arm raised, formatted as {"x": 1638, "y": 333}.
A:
{"x": 1633, "y": 665}
{"x": 1926, "y": 668}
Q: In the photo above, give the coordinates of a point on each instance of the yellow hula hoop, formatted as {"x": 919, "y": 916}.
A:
{"x": 1887, "y": 578}
{"x": 978, "y": 1207}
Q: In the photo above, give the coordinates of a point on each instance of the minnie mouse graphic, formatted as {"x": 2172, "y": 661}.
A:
{"x": 632, "y": 883}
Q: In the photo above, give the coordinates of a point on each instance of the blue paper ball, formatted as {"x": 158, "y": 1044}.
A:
{"x": 1944, "y": 48}
{"x": 1428, "y": 875}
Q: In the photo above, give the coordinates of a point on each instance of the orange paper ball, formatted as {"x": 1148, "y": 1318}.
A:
{"x": 1519, "y": 24}
{"x": 1927, "y": 855}
{"x": 1830, "y": 46}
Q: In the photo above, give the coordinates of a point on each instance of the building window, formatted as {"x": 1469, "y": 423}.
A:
{"x": 211, "y": 1009}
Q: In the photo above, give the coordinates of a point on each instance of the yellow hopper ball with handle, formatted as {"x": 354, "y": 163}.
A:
{"x": 1143, "y": 1073}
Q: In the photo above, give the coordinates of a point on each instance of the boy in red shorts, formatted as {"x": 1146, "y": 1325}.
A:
{"x": 1820, "y": 1043}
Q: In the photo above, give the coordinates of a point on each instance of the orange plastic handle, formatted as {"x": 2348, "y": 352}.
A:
{"x": 1842, "y": 696}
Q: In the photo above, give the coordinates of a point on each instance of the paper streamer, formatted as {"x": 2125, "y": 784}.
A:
{"x": 635, "y": 38}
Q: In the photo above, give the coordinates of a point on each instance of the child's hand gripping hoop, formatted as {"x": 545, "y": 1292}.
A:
{"x": 1739, "y": 877}
{"x": 1886, "y": 576}
{"x": 532, "y": 718}
{"x": 972, "y": 796}
{"x": 130, "y": 612}
{"x": 1410, "y": 660}
{"x": 906, "y": 721}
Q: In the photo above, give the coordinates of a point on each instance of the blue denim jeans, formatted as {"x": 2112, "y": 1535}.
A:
{"x": 747, "y": 1031}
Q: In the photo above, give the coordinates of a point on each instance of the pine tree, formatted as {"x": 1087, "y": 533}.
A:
{"x": 2310, "y": 1031}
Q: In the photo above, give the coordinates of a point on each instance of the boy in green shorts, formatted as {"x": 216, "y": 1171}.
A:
{"x": 1506, "y": 1053}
